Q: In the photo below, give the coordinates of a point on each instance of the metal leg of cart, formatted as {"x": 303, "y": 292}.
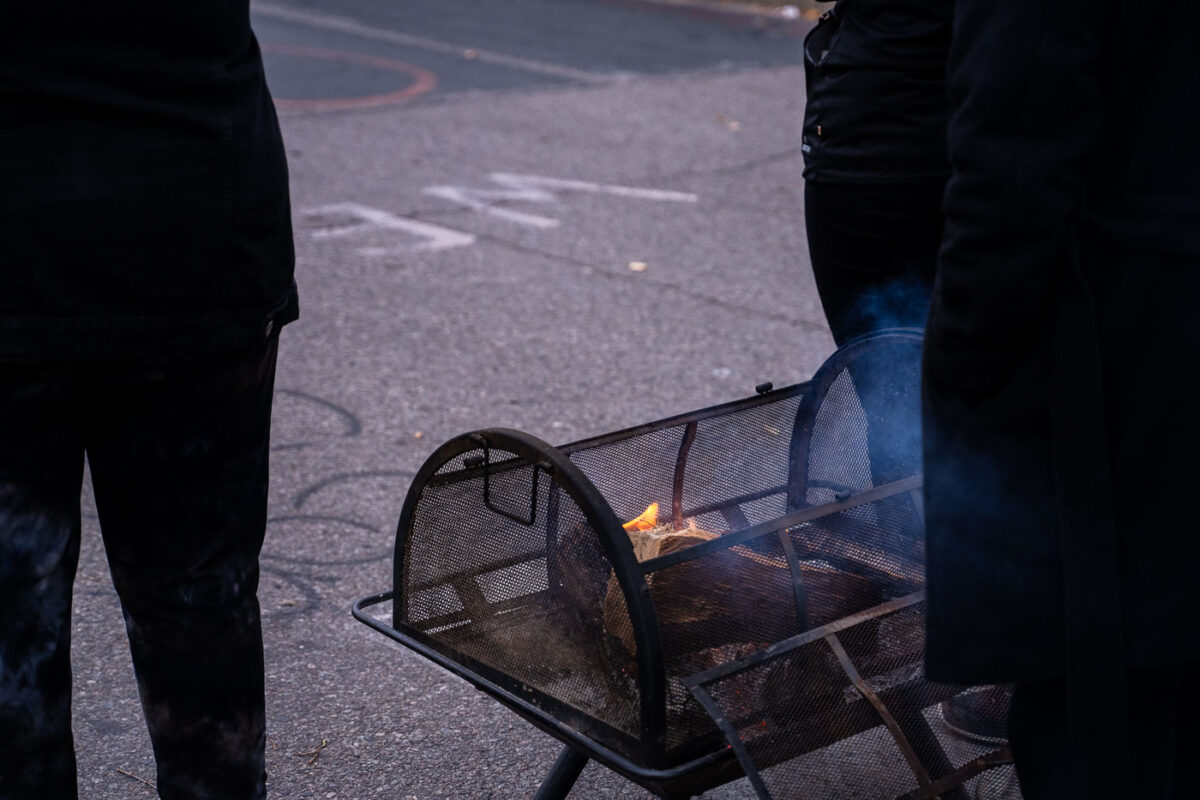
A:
{"x": 563, "y": 774}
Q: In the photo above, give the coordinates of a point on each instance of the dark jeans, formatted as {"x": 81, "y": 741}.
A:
{"x": 874, "y": 251}
{"x": 177, "y": 449}
{"x": 1158, "y": 749}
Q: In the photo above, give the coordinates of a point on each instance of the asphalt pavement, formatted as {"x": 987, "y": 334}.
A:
{"x": 561, "y": 216}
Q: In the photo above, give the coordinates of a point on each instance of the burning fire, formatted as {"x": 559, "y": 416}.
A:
{"x": 650, "y": 545}
{"x": 646, "y": 521}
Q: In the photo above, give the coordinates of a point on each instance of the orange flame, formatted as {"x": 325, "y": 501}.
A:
{"x": 646, "y": 521}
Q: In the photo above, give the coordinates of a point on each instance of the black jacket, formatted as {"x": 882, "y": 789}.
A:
{"x": 877, "y": 105}
{"x": 1060, "y": 412}
{"x": 144, "y": 204}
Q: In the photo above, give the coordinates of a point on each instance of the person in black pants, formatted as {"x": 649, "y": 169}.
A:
{"x": 147, "y": 267}
{"x": 875, "y": 160}
{"x": 875, "y": 169}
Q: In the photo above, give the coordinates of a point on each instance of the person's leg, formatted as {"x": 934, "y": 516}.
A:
{"x": 41, "y": 468}
{"x": 1161, "y": 737}
{"x": 1037, "y": 733}
{"x": 874, "y": 252}
{"x": 1187, "y": 736}
{"x": 179, "y": 465}
{"x": 1163, "y": 710}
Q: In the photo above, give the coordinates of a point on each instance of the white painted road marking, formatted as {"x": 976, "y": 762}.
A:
{"x": 330, "y": 22}
{"x": 347, "y": 219}
{"x": 534, "y": 189}
{"x": 366, "y": 219}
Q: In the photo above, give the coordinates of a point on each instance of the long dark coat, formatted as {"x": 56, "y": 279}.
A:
{"x": 143, "y": 184}
{"x": 1061, "y": 423}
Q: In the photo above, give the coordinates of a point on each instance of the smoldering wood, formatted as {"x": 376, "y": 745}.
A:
{"x": 729, "y": 596}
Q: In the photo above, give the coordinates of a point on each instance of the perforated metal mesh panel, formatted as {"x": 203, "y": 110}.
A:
{"x": 516, "y": 584}
{"x": 632, "y": 472}
{"x": 854, "y": 428}
{"x": 720, "y": 473}
{"x": 845, "y": 712}
{"x": 754, "y": 595}
{"x": 809, "y": 501}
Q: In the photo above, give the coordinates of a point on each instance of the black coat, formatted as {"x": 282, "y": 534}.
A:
{"x": 877, "y": 106}
{"x": 144, "y": 204}
{"x": 1061, "y": 425}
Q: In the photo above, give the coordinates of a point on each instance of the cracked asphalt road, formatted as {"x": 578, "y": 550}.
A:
{"x": 575, "y": 137}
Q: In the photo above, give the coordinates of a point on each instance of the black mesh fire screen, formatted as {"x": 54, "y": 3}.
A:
{"x": 843, "y": 711}
{"x": 583, "y": 585}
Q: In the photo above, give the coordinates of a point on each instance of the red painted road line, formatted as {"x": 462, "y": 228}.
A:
{"x": 422, "y": 81}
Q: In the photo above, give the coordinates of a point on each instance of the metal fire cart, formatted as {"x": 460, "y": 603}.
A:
{"x": 786, "y": 646}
